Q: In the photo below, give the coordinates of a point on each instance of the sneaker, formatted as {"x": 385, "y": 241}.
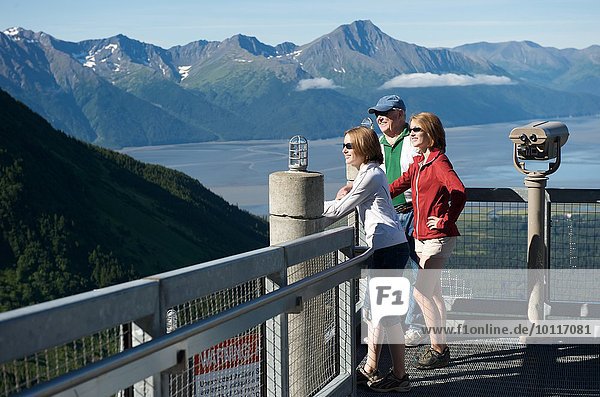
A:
{"x": 414, "y": 337}
{"x": 432, "y": 359}
{"x": 391, "y": 382}
{"x": 363, "y": 377}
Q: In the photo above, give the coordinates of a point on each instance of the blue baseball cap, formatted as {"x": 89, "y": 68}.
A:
{"x": 387, "y": 103}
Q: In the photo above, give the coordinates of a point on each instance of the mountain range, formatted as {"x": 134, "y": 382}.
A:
{"x": 75, "y": 216}
{"x": 118, "y": 91}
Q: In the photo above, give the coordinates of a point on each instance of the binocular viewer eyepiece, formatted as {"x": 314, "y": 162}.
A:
{"x": 540, "y": 140}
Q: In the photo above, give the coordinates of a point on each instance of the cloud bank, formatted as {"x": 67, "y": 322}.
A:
{"x": 319, "y": 83}
{"x": 440, "y": 80}
{"x": 414, "y": 80}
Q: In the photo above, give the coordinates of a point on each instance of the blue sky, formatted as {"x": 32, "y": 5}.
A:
{"x": 439, "y": 23}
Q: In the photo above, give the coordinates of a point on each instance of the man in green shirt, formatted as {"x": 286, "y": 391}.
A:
{"x": 398, "y": 153}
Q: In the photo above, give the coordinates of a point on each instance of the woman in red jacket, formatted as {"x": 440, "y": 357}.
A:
{"x": 438, "y": 197}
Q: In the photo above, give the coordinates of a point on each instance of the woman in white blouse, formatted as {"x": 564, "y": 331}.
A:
{"x": 371, "y": 197}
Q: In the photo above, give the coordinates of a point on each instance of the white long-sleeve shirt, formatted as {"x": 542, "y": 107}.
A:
{"x": 370, "y": 193}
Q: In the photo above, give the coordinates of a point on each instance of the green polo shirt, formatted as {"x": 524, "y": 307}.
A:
{"x": 391, "y": 154}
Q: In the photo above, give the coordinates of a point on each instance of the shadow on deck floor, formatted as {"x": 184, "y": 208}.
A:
{"x": 503, "y": 369}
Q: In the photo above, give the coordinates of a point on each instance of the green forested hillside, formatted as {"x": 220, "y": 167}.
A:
{"x": 74, "y": 216}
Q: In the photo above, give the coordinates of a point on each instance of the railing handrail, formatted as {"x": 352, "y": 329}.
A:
{"x": 130, "y": 366}
{"x": 519, "y": 195}
{"x": 31, "y": 329}
{"x": 108, "y": 307}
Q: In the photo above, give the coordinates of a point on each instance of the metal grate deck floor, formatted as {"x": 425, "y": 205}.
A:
{"x": 503, "y": 369}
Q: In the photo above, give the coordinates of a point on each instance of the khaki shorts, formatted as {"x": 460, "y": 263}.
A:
{"x": 435, "y": 247}
{"x": 439, "y": 249}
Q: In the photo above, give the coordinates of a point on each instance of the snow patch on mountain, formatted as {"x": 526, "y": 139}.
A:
{"x": 163, "y": 69}
{"x": 93, "y": 57}
{"x": 13, "y": 32}
{"x": 184, "y": 71}
{"x": 90, "y": 61}
{"x": 15, "y": 35}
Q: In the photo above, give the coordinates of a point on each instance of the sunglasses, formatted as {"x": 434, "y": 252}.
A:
{"x": 385, "y": 114}
{"x": 346, "y": 146}
{"x": 416, "y": 129}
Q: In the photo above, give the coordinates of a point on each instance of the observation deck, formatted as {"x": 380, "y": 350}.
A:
{"x": 284, "y": 320}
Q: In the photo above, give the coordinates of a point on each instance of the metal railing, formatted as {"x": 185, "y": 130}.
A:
{"x": 248, "y": 312}
{"x": 168, "y": 334}
{"x": 494, "y": 236}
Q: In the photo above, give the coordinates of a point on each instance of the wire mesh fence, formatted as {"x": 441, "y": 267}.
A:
{"x": 494, "y": 236}
{"x": 22, "y": 374}
{"x": 234, "y": 362}
{"x": 244, "y": 364}
{"x": 313, "y": 333}
{"x": 236, "y": 366}
{"x": 574, "y": 251}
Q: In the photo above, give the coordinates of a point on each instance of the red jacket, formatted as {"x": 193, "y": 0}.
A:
{"x": 436, "y": 191}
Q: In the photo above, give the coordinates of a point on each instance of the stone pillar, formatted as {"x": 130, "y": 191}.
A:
{"x": 295, "y": 208}
{"x": 295, "y": 205}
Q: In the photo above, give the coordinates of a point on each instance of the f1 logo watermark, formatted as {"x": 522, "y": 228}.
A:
{"x": 389, "y": 297}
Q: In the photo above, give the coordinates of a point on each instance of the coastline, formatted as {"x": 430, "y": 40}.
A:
{"x": 481, "y": 154}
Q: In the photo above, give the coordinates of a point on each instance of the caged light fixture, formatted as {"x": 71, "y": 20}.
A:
{"x": 298, "y": 156}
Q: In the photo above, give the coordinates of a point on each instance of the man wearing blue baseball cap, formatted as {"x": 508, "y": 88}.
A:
{"x": 390, "y": 113}
{"x": 387, "y": 103}
{"x": 398, "y": 153}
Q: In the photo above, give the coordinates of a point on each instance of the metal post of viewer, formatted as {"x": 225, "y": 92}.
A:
{"x": 537, "y": 141}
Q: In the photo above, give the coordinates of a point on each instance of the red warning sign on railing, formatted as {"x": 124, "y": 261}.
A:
{"x": 230, "y": 368}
